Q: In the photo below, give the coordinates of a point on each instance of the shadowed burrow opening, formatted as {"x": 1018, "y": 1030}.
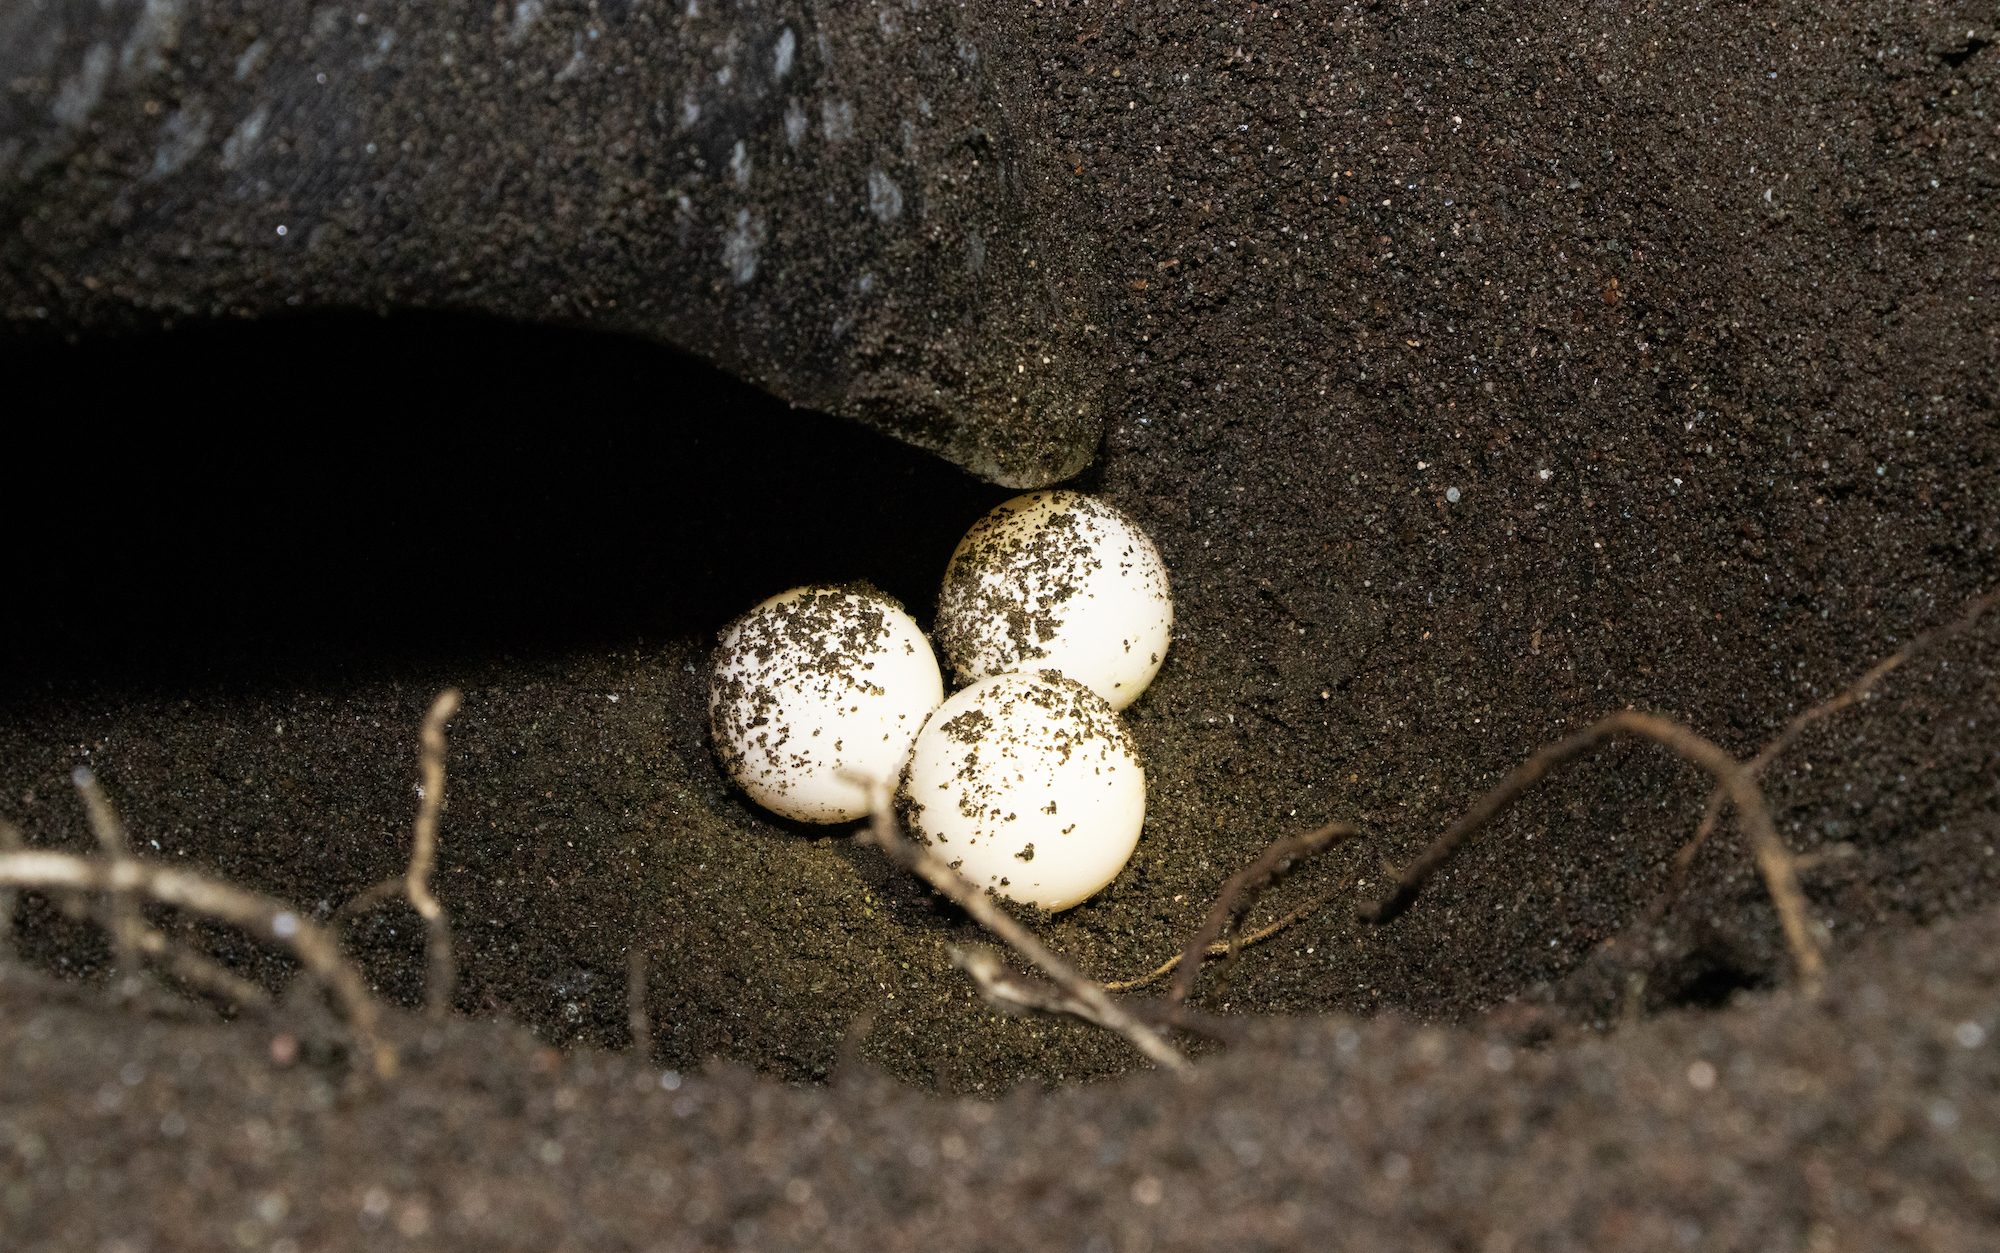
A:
{"x": 349, "y": 492}
{"x": 262, "y": 549}
{"x": 256, "y": 551}
{"x": 1710, "y": 976}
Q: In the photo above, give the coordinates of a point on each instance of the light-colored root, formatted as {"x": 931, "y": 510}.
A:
{"x": 423, "y": 856}
{"x": 131, "y": 935}
{"x": 268, "y": 919}
{"x": 122, "y": 918}
{"x": 1224, "y": 948}
{"x": 414, "y": 884}
{"x": 1074, "y": 993}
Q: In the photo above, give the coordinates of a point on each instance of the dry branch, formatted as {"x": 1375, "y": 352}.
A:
{"x": 122, "y": 917}
{"x": 1011, "y": 993}
{"x": 1240, "y": 894}
{"x": 1236, "y": 943}
{"x": 1091, "y": 1002}
{"x": 1848, "y": 697}
{"x": 260, "y": 915}
{"x": 414, "y": 884}
{"x": 131, "y": 935}
{"x": 1774, "y": 862}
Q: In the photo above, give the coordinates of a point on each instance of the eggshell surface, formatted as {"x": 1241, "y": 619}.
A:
{"x": 1028, "y": 785}
{"x": 1057, "y": 581}
{"x": 816, "y": 684}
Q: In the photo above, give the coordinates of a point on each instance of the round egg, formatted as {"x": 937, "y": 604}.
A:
{"x": 816, "y": 689}
{"x": 1057, "y": 581}
{"x": 1028, "y": 785}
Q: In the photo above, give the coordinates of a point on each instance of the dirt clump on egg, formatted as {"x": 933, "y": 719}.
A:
{"x": 1017, "y": 758}
{"x": 1057, "y": 580}
{"x": 979, "y": 616}
{"x": 837, "y": 632}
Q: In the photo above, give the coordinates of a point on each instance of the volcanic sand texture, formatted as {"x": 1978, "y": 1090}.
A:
{"x": 1691, "y": 313}
{"x": 1865, "y": 1123}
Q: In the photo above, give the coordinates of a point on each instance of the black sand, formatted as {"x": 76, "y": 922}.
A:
{"x": 1480, "y": 373}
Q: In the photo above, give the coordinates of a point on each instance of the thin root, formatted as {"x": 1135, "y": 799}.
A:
{"x": 1241, "y": 893}
{"x": 260, "y": 915}
{"x": 199, "y": 972}
{"x": 1848, "y": 697}
{"x": 1075, "y": 993}
{"x": 131, "y": 935}
{"x": 1732, "y": 777}
{"x": 414, "y": 884}
{"x": 122, "y": 917}
{"x": 1010, "y": 993}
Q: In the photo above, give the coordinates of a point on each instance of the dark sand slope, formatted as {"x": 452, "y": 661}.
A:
{"x": 1870, "y": 1121}
{"x": 1480, "y": 371}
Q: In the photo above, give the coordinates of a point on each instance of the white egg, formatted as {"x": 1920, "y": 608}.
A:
{"x": 1028, "y": 785}
{"x": 1057, "y": 581}
{"x": 815, "y": 690}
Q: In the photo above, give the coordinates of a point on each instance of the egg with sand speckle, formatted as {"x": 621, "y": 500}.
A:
{"x": 1028, "y": 785}
{"x": 1057, "y": 581}
{"x": 815, "y": 690}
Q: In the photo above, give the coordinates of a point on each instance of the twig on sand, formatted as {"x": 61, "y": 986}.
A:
{"x": 131, "y": 935}
{"x": 1732, "y": 777}
{"x": 260, "y": 915}
{"x": 414, "y": 884}
{"x": 1224, "y": 948}
{"x": 122, "y": 918}
{"x": 127, "y": 880}
{"x": 1076, "y": 993}
{"x": 1240, "y": 894}
{"x": 1011, "y": 993}
{"x": 1735, "y": 783}
{"x": 200, "y": 972}
{"x": 1848, "y": 697}
{"x": 1733, "y": 780}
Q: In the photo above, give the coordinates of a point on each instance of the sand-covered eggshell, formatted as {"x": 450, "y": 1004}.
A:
{"x": 815, "y": 688}
{"x": 1057, "y": 581}
{"x": 1028, "y": 785}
